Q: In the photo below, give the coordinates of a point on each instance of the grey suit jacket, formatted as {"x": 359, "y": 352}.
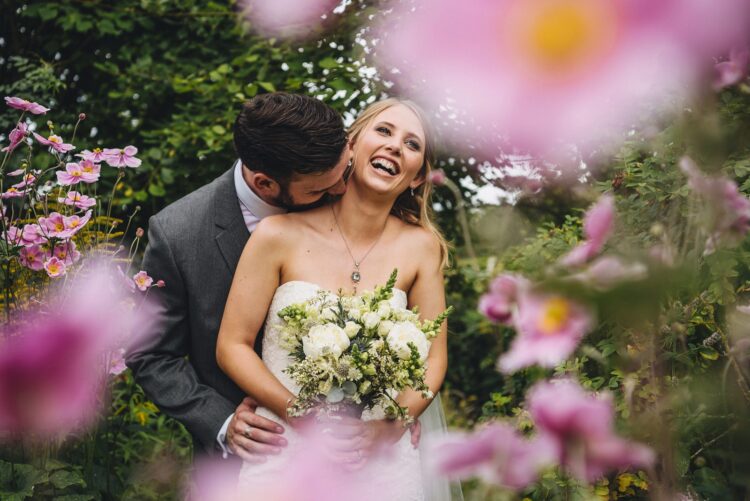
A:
{"x": 194, "y": 245}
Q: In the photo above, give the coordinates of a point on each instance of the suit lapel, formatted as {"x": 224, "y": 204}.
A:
{"x": 230, "y": 232}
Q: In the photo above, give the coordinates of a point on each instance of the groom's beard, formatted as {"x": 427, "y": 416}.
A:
{"x": 285, "y": 200}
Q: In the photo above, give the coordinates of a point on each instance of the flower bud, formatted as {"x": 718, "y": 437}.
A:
{"x": 160, "y": 283}
{"x": 81, "y": 116}
{"x": 437, "y": 177}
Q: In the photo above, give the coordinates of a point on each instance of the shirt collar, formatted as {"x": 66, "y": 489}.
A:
{"x": 252, "y": 202}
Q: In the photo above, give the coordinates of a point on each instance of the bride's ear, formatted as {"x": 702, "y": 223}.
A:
{"x": 418, "y": 181}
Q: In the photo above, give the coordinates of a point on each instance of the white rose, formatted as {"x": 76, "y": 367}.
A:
{"x": 384, "y": 309}
{"x": 326, "y": 338}
{"x": 371, "y": 320}
{"x": 384, "y": 328}
{"x": 356, "y": 313}
{"x": 404, "y": 333}
{"x": 351, "y": 329}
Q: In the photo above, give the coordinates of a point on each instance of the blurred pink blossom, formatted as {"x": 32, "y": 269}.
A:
{"x": 16, "y": 136}
{"x": 728, "y": 210}
{"x": 74, "y": 223}
{"x": 437, "y": 177}
{"x": 496, "y": 453}
{"x": 54, "y": 267}
{"x": 581, "y": 425}
{"x": 499, "y": 303}
{"x": 142, "y": 280}
{"x": 734, "y": 70}
{"x": 286, "y": 18}
{"x": 90, "y": 170}
{"x": 54, "y": 142}
{"x": 597, "y": 227}
{"x": 96, "y": 156}
{"x": 549, "y": 328}
{"x": 24, "y": 105}
{"x": 549, "y": 73}
{"x": 77, "y": 200}
{"x": 124, "y": 157}
{"x": 608, "y": 271}
{"x": 52, "y": 373}
{"x": 32, "y": 257}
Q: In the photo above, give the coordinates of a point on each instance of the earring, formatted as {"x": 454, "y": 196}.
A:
{"x": 412, "y": 191}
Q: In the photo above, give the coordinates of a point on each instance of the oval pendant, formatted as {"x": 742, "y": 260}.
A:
{"x": 356, "y": 277}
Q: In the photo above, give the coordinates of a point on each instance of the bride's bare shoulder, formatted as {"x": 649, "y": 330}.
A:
{"x": 288, "y": 226}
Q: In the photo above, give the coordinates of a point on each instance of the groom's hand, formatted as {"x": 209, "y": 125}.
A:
{"x": 253, "y": 437}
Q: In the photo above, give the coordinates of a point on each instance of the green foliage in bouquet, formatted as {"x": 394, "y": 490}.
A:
{"x": 359, "y": 350}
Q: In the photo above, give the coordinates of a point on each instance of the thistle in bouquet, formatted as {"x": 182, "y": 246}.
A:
{"x": 353, "y": 353}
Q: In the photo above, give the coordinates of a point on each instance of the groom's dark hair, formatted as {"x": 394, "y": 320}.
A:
{"x": 281, "y": 134}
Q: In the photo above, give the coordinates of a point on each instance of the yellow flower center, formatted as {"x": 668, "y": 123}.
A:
{"x": 76, "y": 172}
{"x": 59, "y": 226}
{"x": 97, "y": 150}
{"x": 555, "y": 316}
{"x": 560, "y": 36}
{"x": 74, "y": 223}
{"x": 55, "y": 139}
{"x": 53, "y": 267}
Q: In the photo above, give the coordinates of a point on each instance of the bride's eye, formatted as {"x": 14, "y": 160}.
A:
{"x": 414, "y": 145}
{"x": 383, "y": 130}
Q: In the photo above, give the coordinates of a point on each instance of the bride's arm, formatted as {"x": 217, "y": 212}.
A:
{"x": 255, "y": 282}
{"x": 428, "y": 293}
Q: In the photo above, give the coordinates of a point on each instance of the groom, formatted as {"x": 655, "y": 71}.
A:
{"x": 292, "y": 154}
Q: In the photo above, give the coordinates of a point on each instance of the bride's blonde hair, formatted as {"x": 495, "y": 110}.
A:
{"x": 410, "y": 209}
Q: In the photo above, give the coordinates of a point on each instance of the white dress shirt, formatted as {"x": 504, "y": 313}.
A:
{"x": 253, "y": 210}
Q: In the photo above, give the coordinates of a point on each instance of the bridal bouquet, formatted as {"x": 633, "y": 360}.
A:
{"x": 356, "y": 351}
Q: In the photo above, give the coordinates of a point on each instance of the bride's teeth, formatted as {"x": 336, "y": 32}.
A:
{"x": 385, "y": 165}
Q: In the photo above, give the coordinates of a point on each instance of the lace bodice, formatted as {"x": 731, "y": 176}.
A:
{"x": 400, "y": 475}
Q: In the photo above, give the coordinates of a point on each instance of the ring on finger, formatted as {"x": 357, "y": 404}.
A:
{"x": 248, "y": 431}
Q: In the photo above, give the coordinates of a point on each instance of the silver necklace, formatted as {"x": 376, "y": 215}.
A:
{"x": 356, "y": 276}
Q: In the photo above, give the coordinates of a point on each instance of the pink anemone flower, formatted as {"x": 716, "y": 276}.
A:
{"x": 13, "y": 192}
{"x": 54, "y": 142}
{"x": 91, "y": 171}
{"x": 13, "y": 236}
{"x": 53, "y": 225}
{"x": 597, "y": 227}
{"x": 66, "y": 252}
{"x": 117, "y": 362}
{"x": 28, "y": 180}
{"x": 286, "y": 18}
{"x": 549, "y": 327}
{"x": 73, "y": 174}
{"x": 581, "y": 425}
{"x": 24, "y": 105}
{"x": 124, "y": 157}
{"x": 77, "y": 200}
{"x": 32, "y": 257}
{"x": 497, "y": 453}
{"x": 96, "y": 156}
{"x": 545, "y": 74}
{"x": 32, "y": 234}
{"x": 142, "y": 280}
{"x": 16, "y": 136}
{"x": 54, "y": 267}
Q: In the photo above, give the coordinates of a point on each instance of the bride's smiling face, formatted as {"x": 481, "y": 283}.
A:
{"x": 389, "y": 152}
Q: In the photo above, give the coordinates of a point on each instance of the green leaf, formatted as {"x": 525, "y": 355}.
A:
{"x": 708, "y": 353}
{"x": 140, "y": 195}
{"x": 156, "y": 190}
{"x": 63, "y": 479}
{"x": 328, "y": 63}
{"x": 219, "y": 129}
{"x": 268, "y": 86}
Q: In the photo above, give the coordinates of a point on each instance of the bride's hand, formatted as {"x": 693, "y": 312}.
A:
{"x": 381, "y": 433}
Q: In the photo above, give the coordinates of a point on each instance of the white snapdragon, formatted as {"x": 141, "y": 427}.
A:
{"x": 371, "y": 319}
{"x": 352, "y": 329}
{"x": 326, "y": 338}
{"x": 402, "y": 334}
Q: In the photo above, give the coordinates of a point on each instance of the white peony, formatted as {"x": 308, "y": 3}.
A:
{"x": 402, "y": 334}
{"x": 371, "y": 320}
{"x": 326, "y": 338}
{"x": 352, "y": 329}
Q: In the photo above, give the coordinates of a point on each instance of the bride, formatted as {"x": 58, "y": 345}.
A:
{"x": 352, "y": 245}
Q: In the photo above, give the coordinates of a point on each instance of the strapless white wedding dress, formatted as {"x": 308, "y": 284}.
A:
{"x": 395, "y": 479}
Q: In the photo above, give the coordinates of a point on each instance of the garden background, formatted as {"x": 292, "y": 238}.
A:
{"x": 169, "y": 78}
